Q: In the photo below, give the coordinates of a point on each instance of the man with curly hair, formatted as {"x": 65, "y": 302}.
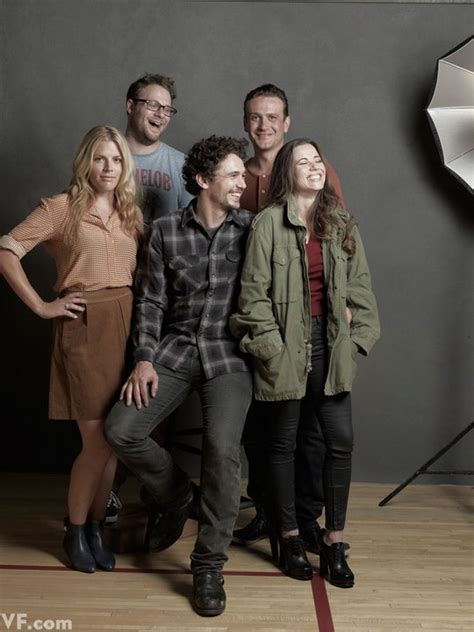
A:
{"x": 186, "y": 288}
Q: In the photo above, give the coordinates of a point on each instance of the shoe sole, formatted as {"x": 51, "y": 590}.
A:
{"x": 213, "y": 612}
{"x": 303, "y": 578}
{"x": 338, "y": 584}
{"x": 306, "y": 578}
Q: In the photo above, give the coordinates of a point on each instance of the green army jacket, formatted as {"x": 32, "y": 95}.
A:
{"x": 274, "y": 317}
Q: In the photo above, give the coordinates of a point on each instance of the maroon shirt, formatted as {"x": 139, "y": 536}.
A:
{"x": 255, "y": 196}
{"x": 314, "y": 254}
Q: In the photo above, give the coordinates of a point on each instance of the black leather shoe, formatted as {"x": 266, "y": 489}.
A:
{"x": 103, "y": 556}
{"x": 209, "y": 595}
{"x": 256, "y": 530}
{"x": 163, "y": 530}
{"x": 77, "y": 549}
{"x": 293, "y": 560}
{"x": 333, "y": 565}
{"x": 309, "y": 535}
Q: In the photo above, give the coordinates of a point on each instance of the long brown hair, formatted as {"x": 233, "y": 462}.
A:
{"x": 322, "y": 219}
{"x": 81, "y": 195}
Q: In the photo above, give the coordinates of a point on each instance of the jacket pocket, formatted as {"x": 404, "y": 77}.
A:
{"x": 342, "y": 365}
{"x": 287, "y": 286}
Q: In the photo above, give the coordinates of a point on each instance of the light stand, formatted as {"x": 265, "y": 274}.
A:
{"x": 424, "y": 468}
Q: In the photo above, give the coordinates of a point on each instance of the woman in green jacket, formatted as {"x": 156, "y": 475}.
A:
{"x": 306, "y": 309}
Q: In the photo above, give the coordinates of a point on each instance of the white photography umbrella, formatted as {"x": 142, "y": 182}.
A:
{"x": 451, "y": 112}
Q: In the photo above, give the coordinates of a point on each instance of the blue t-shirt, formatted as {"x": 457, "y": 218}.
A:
{"x": 160, "y": 177}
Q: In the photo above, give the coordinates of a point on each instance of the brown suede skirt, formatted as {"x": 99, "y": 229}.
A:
{"x": 89, "y": 356}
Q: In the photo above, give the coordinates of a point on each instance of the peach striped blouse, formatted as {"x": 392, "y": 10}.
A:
{"x": 103, "y": 255}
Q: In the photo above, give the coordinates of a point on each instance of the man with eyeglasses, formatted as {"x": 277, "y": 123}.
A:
{"x": 187, "y": 286}
{"x": 159, "y": 175}
{"x": 158, "y": 166}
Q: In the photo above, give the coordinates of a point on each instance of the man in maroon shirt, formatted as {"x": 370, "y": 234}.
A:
{"x": 266, "y": 121}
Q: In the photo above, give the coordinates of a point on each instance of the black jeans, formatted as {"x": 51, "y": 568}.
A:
{"x": 225, "y": 400}
{"x": 309, "y": 461}
{"x": 286, "y": 425}
{"x": 254, "y": 441}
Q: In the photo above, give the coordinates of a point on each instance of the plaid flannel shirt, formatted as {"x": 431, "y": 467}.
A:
{"x": 187, "y": 286}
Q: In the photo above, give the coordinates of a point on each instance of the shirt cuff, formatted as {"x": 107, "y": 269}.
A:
{"x": 8, "y": 243}
{"x": 144, "y": 354}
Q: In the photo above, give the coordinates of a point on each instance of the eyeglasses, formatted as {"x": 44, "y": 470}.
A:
{"x": 154, "y": 106}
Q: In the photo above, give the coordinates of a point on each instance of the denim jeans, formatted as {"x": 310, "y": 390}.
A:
{"x": 287, "y": 426}
{"x": 225, "y": 400}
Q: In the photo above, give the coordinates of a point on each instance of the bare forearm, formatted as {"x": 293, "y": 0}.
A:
{"x": 12, "y": 270}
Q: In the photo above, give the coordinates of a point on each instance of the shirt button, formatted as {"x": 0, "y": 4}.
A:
{"x": 263, "y": 191}
{"x": 213, "y": 276}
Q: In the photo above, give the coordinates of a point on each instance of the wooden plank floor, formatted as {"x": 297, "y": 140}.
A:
{"x": 413, "y": 561}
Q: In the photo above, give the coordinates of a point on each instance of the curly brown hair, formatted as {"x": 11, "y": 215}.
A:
{"x": 205, "y": 156}
{"x": 322, "y": 219}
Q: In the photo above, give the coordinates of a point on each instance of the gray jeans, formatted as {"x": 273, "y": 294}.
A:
{"x": 225, "y": 400}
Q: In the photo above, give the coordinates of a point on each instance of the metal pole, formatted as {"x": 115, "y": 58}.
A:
{"x": 426, "y": 465}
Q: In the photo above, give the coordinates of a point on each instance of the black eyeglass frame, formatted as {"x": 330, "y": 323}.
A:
{"x": 168, "y": 110}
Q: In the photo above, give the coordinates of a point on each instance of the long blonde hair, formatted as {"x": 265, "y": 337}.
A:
{"x": 81, "y": 195}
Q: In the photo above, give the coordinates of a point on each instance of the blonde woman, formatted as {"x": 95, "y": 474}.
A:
{"x": 92, "y": 231}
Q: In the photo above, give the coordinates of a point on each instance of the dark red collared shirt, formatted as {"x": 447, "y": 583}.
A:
{"x": 255, "y": 196}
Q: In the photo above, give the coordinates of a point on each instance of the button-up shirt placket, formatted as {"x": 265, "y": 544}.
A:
{"x": 191, "y": 286}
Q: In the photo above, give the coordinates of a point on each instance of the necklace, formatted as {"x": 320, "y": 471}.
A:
{"x": 104, "y": 214}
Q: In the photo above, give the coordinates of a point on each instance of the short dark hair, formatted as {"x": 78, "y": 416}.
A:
{"x": 267, "y": 90}
{"x": 204, "y": 157}
{"x": 151, "y": 80}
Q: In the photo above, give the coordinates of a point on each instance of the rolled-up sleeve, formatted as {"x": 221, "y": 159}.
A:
{"x": 35, "y": 229}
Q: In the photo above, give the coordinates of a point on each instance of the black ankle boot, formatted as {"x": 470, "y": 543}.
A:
{"x": 209, "y": 596}
{"x": 95, "y": 537}
{"x": 293, "y": 560}
{"x": 333, "y": 565}
{"x": 77, "y": 548}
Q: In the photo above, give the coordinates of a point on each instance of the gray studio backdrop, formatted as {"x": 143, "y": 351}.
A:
{"x": 358, "y": 76}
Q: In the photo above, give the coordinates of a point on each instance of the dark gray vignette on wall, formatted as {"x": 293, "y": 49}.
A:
{"x": 358, "y": 76}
